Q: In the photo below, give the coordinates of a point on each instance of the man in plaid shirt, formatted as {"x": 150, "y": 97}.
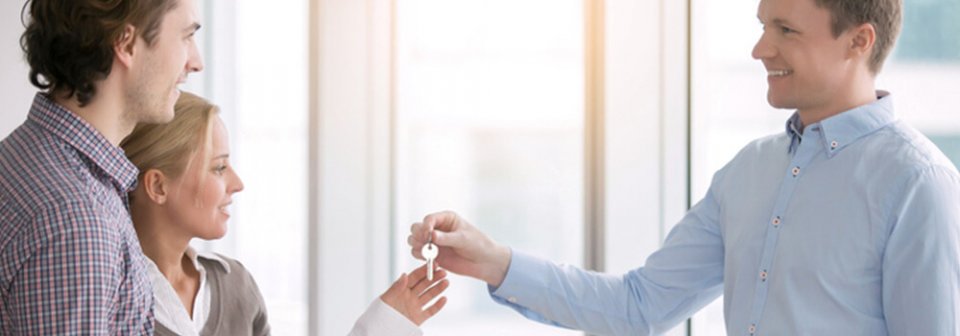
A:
{"x": 70, "y": 261}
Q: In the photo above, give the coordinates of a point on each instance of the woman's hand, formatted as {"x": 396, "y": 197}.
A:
{"x": 410, "y": 293}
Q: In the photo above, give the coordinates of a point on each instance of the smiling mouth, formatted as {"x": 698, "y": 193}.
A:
{"x": 779, "y": 73}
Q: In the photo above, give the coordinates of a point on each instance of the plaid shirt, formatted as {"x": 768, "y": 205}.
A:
{"x": 70, "y": 261}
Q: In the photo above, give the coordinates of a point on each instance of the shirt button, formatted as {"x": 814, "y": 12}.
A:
{"x": 512, "y": 299}
{"x": 763, "y": 275}
{"x": 776, "y": 221}
{"x": 752, "y": 329}
{"x": 796, "y": 171}
{"x": 834, "y": 144}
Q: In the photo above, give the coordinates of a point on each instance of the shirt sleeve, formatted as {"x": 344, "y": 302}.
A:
{"x": 679, "y": 279}
{"x": 382, "y": 320}
{"x": 70, "y": 283}
{"x": 921, "y": 263}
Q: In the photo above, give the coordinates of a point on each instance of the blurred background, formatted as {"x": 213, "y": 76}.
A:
{"x": 579, "y": 131}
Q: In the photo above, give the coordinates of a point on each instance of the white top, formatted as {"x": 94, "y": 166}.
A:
{"x": 382, "y": 320}
{"x": 169, "y": 310}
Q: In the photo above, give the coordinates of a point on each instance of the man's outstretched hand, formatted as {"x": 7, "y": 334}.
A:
{"x": 464, "y": 249}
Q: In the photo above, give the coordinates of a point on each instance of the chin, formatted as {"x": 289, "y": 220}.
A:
{"x": 779, "y": 102}
{"x": 166, "y": 117}
{"x": 214, "y": 232}
{"x": 213, "y": 235}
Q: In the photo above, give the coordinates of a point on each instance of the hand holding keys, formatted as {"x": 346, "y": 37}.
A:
{"x": 429, "y": 252}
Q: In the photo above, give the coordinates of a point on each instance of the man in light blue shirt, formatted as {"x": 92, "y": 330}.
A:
{"x": 848, "y": 223}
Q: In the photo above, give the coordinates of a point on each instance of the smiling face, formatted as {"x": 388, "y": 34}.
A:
{"x": 808, "y": 69}
{"x": 159, "y": 67}
{"x": 200, "y": 196}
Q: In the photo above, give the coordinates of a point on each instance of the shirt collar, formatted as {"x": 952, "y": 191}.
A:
{"x": 193, "y": 255}
{"x": 847, "y": 127}
{"x": 794, "y": 125}
{"x": 83, "y": 137}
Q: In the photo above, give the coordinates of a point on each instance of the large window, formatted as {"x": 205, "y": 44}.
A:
{"x": 489, "y": 99}
{"x": 729, "y": 90}
{"x": 352, "y": 124}
{"x": 262, "y": 95}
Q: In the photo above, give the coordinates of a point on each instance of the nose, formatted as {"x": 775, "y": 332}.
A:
{"x": 236, "y": 185}
{"x": 194, "y": 60}
{"x": 763, "y": 49}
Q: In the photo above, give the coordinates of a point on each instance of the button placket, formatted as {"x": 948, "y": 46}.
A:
{"x": 802, "y": 158}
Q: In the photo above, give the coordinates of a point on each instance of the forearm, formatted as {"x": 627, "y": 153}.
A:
{"x": 573, "y": 298}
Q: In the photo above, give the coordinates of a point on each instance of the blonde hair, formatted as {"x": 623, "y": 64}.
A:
{"x": 170, "y": 147}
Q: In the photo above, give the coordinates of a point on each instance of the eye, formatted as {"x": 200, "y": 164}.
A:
{"x": 219, "y": 169}
{"x": 786, "y": 30}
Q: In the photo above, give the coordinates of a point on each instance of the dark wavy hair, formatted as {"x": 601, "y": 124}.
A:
{"x": 69, "y": 43}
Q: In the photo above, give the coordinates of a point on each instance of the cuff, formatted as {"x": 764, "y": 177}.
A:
{"x": 381, "y": 319}
{"x": 522, "y": 274}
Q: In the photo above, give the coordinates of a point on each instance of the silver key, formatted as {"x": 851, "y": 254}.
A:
{"x": 429, "y": 252}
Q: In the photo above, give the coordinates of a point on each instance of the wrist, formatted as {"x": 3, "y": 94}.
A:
{"x": 499, "y": 265}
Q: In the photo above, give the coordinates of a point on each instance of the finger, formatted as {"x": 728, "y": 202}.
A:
{"x": 439, "y": 274}
{"x": 416, "y": 253}
{"x": 423, "y": 284}
{"x": 443, "y": 221}
{"x": 396, "y": 288}
{"x": 418, "y": 275}
{"x": 433, "y": 292}
{"x": 435, "y": 308}
{"x": 449, "y": 239}
{"x": 413, "y": 242}
{"x": 415, "y": 228}
{"x": 401, "y": 282}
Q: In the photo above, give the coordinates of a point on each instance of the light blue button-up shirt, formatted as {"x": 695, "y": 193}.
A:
{"x": 850, "y": 228}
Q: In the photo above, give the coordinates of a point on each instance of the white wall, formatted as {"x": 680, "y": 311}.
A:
{"x": 16, "y": 93}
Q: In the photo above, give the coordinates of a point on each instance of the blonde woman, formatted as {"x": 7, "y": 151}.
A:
{"x": 185, "y": 186}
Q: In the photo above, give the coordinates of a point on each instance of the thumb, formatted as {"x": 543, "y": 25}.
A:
{"x": 401, "y": 282}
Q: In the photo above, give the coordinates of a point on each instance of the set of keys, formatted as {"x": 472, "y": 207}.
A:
{"x": 429, "y": 252}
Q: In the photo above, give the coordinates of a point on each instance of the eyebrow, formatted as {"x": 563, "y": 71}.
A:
{"x": 193, "y": 27}
{"x": 782, "y": 22}
{"x": 777, "y": 21}
{"x": 221, "y": 156}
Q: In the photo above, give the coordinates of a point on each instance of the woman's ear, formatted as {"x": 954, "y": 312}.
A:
{"x": 155, "y": 185}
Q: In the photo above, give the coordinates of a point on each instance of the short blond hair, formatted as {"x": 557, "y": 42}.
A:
{"x": 170, "y": 147}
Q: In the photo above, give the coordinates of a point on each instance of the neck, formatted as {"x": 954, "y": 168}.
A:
{"x": 106, "y": 111}
{"x": 858, "y": 93}
{"x": 166, "y": 249}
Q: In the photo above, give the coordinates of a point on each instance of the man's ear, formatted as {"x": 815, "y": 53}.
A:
{"x": 156, "y": 185}
{"x": 863, "y": 38}
{"x": 123, "y": 47}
